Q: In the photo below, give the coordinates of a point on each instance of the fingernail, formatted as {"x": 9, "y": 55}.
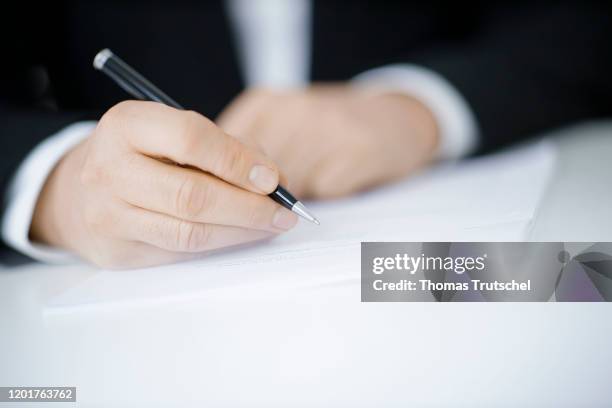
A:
{"x": 284, "y": 219}
{"x": 263, "y": 178}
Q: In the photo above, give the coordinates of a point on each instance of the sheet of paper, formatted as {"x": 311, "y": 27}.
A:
{"x": 493, "y": 198}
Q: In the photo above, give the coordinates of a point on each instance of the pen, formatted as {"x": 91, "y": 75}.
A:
{"x": 139, "y": 87}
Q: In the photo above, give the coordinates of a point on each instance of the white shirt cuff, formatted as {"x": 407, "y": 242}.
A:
{"x": 456, "y": 122}
{"x": 27, "y": 184}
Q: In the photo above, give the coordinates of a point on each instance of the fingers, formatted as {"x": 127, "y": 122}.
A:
{"x": 240, "y": 116}
{"x": 172, "y": 234}
{"x": 188, "y": 138}
{"x": 191, "y": 195}
{"x": 337, "y": 177}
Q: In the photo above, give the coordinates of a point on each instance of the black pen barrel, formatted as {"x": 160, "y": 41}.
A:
{"x": 283, "y": 197}
{"x": 130, "y": 80}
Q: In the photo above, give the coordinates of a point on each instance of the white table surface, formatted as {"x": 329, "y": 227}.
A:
{"x": 327, "y": 348}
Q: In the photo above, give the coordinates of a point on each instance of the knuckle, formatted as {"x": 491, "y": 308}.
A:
{"x": 192, "y": 127}
{"x": 231, "y": 160}
{"x": 192, "y": 199}
{"x": 117, "y": 112}
{"x": 191, "y": 237}
{"x": 114, "y": 122}
{"x": 94, "y": 173}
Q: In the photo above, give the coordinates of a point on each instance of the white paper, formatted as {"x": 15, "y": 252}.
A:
{"x": 493, "y": 198}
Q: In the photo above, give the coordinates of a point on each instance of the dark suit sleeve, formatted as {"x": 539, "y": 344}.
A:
{"x": 529, "y": 69}
{"x": 27, "y": 117}
{"x": 20, "y": 132}
{"x": 28, "y": 113}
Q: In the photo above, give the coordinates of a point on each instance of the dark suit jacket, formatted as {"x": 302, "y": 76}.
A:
{"x": 523, "y": 67}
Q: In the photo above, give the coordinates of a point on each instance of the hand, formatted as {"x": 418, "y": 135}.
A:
{"x": 152, "y": 184}
{"x": 333, "y": 140}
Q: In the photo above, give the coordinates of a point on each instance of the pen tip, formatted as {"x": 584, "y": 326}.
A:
{"x": 301, "y": 210}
